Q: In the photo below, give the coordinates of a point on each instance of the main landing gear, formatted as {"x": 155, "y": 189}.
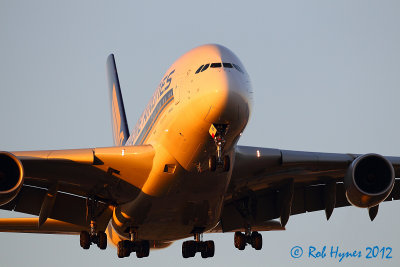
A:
{"x": 252, "y": 238}
{"x": 190, "y": 248}
{"x": 126, "y": 247}
{"x": 93, "y": 237}
{"x": 218, "y": 132}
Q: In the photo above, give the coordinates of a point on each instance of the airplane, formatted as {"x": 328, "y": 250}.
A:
{"x": 180, "y": 172}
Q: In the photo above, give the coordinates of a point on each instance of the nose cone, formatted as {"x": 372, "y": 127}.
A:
{"x": 228, "y": 99}
{"x": 220, "y": 92}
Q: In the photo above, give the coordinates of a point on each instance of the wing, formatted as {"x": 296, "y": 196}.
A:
{"x": 269, "y": 184}
{"x": 58, "y": 183}
{"x": 31, "y": 225}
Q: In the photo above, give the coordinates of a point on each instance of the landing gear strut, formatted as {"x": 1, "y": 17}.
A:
{"x": 190, "y": 248}
{"x": 218, "y": 132}
{"x": 126, "y": 247}
{"x": 252, "y": 238}
{"x": 94, "y": 236}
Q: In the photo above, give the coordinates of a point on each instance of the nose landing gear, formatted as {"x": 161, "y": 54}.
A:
{"x": 218, "y": 132}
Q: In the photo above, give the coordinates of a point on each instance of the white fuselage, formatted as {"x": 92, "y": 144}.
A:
{"x": 176, "y": 123}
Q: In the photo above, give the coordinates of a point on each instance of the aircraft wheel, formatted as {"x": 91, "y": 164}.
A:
{"x": 120, "y": 249}
{"x": 212, "y": 163}
{"x": 209, "y": 249}
{"x": 123, "y": 249}
{"x": 188, "y": 249}
{"x": 144, "y": 249}
{"x": 235, "y": 239}
{"x": 227, "y": 164}
{"x": 102, "y": 240}
{"x": 85, "y": 240}
{"x": 256, "y": 240}
{"x": 185, "y": 249}
{"x": 192, "y": 248}
{"x": 240, "y": 240}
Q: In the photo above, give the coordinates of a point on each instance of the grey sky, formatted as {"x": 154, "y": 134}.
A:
{"x": 325, "y": 76}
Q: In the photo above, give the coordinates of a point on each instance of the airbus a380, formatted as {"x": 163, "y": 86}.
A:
{"x": 180, "y": 172}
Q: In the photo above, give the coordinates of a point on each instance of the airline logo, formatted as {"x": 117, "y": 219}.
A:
{"x": 160, "y": 100}
{"x": 118, "y": 133}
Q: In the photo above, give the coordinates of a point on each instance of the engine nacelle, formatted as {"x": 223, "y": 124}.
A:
{"x": 369, "y": 180}
{"x": 11, "y": 177}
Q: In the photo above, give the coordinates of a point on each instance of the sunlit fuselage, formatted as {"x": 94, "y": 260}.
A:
{"x": 180, "y": 193}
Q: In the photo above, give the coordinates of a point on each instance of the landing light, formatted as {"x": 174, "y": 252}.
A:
{"x": 258, "y": 153}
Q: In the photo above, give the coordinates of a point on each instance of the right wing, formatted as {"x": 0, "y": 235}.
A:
{"x": 111, "y": 175}
{"x": 269, "y": 184}
{"x": 31, "y": 225}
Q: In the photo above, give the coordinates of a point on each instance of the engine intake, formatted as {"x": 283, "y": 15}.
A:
{"x": 11, "y": 177}
{"x": 369, "y": 180}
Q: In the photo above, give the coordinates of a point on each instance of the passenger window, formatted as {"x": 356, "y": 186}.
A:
{"x": 199, "y": 69}
{"x": 227, "y": 65}
{"x": 216, "y": 65}
{"x": 205, "y": 67}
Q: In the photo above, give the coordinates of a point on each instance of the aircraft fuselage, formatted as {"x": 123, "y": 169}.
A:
{"x": 180, "y": 194}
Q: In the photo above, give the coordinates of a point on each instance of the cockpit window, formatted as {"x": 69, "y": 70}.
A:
{"x": 227, "y": 65}
{"x": 205, "y": 67}
{"x": 216, "y": 65}
{"x": 237, "y": 67}
{"x": 199, "y": 69}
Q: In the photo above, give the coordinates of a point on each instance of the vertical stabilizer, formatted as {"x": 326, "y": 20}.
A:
{"x": 119, "y": 123}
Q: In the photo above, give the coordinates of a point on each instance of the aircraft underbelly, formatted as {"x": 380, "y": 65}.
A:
{"x": 195, "y": 201}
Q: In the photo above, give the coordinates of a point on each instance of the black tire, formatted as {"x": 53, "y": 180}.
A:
{"x": 102, "y": 240}
{"x": 236, "y": 239}
{"x": 227, "y": 163}
{"x": 123, "y": 249}
{"x": 256, "y": 240}
{"x": 209, "y": 249}
{"x": 127, "y": 248}
{"x": 185, "y": 249}
{"x": 144, "y": 249}
{"x": 240, "y": 240}
{"x": 120, "y": 249}
{"x": 85, "y": 240}
{"x": 212, "y": 163}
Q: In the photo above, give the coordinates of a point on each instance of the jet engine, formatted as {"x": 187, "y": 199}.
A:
{"x": 369, "y": 180}
{"x": 11, "y": 177}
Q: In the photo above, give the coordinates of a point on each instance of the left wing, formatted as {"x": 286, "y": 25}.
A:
{"x": 268, "y": 184}
{"x": 56, "y": 184}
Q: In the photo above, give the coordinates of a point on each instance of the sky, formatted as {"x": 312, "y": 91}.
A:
{"x": 325, "y": 76}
